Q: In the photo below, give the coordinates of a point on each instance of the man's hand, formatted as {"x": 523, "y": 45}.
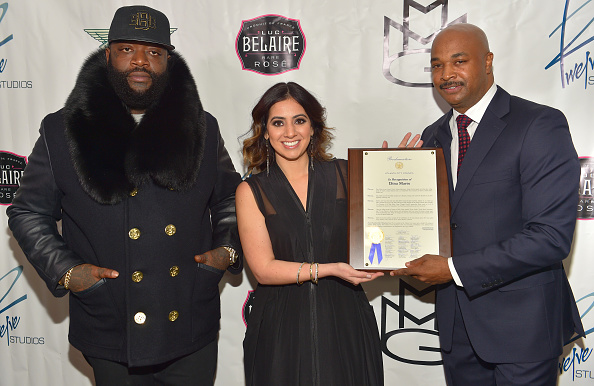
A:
{"x": 218, "y": 258}
{"x": 430, "y": 269}
{"x": 85, "y": 275}
{"x": 405, "y": 143}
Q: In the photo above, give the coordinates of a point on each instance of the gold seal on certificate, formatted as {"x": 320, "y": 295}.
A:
{"x": 398, "y": 207}
{"x": 376, "y": 235}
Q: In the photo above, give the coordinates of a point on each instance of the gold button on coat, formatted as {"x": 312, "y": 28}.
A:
{"x": 134, "y": 233}
{"x": 173, "y": 315}
{"x": 134, "y": 192}
{"x": 137, "y": 276}
{"x": 170, "y": 230}
{"x": 174, "y": 271}
{"x": 140, "y": 318}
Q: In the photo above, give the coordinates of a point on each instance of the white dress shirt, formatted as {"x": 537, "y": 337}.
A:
{"x": 475, "y": 113}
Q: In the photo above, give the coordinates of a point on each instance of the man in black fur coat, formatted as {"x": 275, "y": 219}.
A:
{"x": 139, "y": 175}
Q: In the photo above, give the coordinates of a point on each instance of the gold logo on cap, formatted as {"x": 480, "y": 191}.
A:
{"x": 142, "y": 20}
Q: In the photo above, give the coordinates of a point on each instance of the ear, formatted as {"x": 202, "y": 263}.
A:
{"x": 266, "y": 136}
{"x": 107, "y": 52}
{"x": 489, "y": 63}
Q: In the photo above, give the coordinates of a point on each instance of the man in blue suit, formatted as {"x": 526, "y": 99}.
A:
{"x": 504, "y": 305}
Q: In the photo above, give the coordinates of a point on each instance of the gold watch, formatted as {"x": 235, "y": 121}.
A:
{"x": 232, "y": 255}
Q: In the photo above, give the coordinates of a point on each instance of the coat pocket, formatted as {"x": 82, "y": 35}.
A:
{"x": 496, "y": 176}
{"x": 206, "y": 305}
{"x": 93, "y": 317}
{"x": 211, "y": 269}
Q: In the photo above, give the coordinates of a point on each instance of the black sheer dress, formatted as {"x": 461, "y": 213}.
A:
{"x": 323, "y": 334}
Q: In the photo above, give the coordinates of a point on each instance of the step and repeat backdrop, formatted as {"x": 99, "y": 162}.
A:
{"x": 366, "y": 61}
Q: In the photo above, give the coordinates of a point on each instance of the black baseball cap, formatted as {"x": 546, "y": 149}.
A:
{"x": 142, "y": 24}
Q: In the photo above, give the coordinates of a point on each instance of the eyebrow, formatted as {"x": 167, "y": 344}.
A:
{"x": 295, "y": 116}
{"x": 456, "y": 55}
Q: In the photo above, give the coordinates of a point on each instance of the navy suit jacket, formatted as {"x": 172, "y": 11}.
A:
{"x": 513, "y": 215}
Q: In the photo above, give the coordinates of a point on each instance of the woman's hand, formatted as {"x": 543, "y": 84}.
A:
{"x": 351, "y": 275}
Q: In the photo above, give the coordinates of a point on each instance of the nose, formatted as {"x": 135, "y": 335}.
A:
{"x": 290, "y": 130}
{"x": 139, "y": 58}
{"x": 447, "y": 72}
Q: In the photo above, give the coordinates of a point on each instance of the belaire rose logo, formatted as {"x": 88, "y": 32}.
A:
{"x": 12, "y": 167}
{"x": 585, "y": 210}
{"x": 270, "y": 44}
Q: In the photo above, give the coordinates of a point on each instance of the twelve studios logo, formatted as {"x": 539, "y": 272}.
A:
{"x": 270, "y": 44}
{"x": 403, "y": 58}
{"x": 575, "y": 34}
{"x": 3, "y": 41}
{"x": 9, "y": 324}
{"x": 11, "y": 84}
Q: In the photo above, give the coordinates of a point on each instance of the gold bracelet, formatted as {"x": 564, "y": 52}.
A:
{"x": 316, "y": 278}
{"x": 232, "y": 255}
{"x": 311, "y": 278}
{"x": 299, "y": 272}
{"x": 67, "y": 278}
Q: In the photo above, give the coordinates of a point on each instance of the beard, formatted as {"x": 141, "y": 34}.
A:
{"x": 133, "y": 99}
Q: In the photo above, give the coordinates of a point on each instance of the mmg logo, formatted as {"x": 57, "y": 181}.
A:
{"x": 423, "y": 342}
{"x": 408, "y": 34}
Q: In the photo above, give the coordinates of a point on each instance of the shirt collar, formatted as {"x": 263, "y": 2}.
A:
{"x": 477, "y": 111}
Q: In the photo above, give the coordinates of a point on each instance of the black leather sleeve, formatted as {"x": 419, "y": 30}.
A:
{"x": 222, "y": 206}
{"x": 33, "y": 217}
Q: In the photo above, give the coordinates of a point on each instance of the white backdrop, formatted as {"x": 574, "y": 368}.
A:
{"x": 347, "y": 44}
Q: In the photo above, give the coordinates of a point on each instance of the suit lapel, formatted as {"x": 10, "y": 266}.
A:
{"x": 444, "y": 138}
{"x": 486, "y": 134}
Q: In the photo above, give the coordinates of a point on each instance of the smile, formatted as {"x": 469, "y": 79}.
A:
{"x": 291, "y": 144}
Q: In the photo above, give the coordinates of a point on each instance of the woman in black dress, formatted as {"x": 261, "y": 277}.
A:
{"x": 310, "y": 322}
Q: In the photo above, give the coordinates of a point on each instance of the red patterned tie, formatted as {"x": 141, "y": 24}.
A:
{"x": 463, "y": 121}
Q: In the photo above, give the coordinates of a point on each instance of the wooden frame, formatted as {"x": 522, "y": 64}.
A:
{"x": 357, "y": 233}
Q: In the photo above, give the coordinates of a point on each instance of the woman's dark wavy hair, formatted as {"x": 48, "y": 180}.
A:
{"x": 254, "y": 147}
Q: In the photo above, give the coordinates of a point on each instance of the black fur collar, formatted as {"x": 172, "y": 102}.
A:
{"x": 112, "y": 155}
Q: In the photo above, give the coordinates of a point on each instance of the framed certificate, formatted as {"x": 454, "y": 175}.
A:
{"x": 399, "y": 207}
